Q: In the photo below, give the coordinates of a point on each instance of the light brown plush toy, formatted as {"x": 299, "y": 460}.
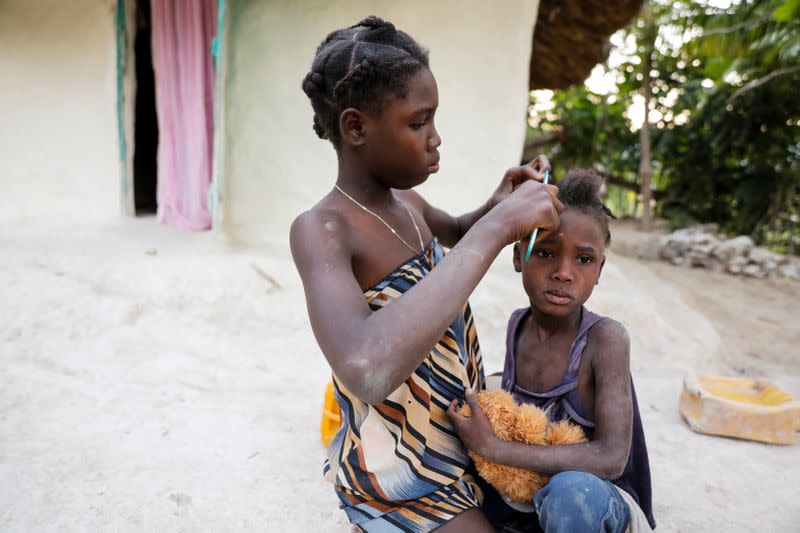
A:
{"x": 522, "y": 423}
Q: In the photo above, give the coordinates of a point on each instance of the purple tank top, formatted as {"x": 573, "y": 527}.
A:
{"x": 564, "y": 402}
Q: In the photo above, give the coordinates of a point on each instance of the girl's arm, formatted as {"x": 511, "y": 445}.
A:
{"x": 606, "y": 455}
{"x": 450, "y": 229}
{"x": 373, "y": 353}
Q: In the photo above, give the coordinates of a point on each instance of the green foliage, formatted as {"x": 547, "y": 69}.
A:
{"x": 790, "y": 10}
{"x": 595, "y": 130}
{"x": 725, "y": 113}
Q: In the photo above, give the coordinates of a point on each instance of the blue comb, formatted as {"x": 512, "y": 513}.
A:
{"x": 536, "y": 230}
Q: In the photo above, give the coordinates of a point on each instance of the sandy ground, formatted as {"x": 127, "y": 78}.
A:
{"x": 155, "y": 380}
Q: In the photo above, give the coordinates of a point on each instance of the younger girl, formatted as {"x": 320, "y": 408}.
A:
{"x": 575, "y": 364}
{"x": 389, "y": 311}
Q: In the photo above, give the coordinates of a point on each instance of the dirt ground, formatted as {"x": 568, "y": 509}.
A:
{"x": 757, "y": 320}
{"x": 157, "y": 380}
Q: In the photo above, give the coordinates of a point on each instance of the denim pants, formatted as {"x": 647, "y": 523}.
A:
{"x": 579, "y": 501}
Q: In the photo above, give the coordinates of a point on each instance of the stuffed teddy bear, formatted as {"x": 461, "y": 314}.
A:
{"x": 522, "y": 423}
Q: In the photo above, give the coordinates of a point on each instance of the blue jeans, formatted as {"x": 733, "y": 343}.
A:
{"x": 577, "y": 502}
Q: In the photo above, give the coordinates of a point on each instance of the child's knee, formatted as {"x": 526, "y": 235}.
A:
{"x": 577, "y": 500}
{"x": 572, "y": 481}
{"x": 568, "y": 489}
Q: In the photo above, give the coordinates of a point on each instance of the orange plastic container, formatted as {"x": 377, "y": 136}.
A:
{"x": 331, "y": 415}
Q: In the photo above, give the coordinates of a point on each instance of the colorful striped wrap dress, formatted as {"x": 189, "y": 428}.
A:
{"x": 399, "y": 465}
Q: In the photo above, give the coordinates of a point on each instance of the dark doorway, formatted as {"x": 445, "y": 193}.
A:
{"x": 145, "y": 125}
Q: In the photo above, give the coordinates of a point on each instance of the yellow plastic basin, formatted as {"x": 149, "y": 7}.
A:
{"x": 744, "y": 390}
{"x": 744, "y": 408}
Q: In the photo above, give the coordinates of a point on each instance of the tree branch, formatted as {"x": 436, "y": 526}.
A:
{"x": 533, "y": 146}
{"x": 746, "y": 25}
{"x": 761, "y": 81}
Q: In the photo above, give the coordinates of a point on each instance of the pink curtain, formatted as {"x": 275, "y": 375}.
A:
{"x": 182, "y": 34}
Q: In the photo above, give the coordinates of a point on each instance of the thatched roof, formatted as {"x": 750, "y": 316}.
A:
{"x": 571, "y": 37}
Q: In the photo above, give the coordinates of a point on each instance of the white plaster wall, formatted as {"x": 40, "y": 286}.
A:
{"x": 276, "y": 167}
{"x": 58, "y": 134}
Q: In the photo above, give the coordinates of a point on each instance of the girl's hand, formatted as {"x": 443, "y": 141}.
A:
{"x": 475, "y": 431}
{"x": 531, "y": 205}
{"x": 515, "y": 176}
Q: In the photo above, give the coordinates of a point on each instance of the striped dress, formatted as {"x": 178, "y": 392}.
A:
{"x": 399, "y": 465}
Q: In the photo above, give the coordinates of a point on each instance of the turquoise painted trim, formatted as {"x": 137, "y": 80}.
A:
{"x": 215, "y": 48}
{"x": 216, "y": 176}
{"x": 122, "y": 50}
{"x": 216, "y": 44}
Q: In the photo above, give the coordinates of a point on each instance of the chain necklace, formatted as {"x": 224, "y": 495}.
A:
{"x": 376, "y": 215}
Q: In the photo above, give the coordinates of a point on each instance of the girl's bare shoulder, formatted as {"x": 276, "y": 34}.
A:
{"x": 319, "y": 227}
{"x": 608, "y": 340}
{"x": 607, "y": 331}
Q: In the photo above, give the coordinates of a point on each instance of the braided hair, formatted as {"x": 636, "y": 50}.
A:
{"x": 362, "y": 66}
{"x": 580, "y": 189}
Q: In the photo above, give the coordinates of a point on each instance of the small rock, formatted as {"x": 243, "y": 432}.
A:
{"x": 711, "y": 227}
{"x": 734, "y": 268}
{"x": 705, "y": 249}
{"x": 789, "y": 271}
{"x": 754, "y": 271}
{"x": 668, "y": 252}
{"x": 739, "y": 261}
{"x": 762, "y": 256}
{"x": 738, "y": 246}
{"x": 700, "y": 258}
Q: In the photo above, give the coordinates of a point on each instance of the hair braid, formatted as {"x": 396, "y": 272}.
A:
{"x": 362, "y": 66}
{"x": 361, "y": 73}
{"x": 580, "y": 189}
{"x": 372, "y": 22}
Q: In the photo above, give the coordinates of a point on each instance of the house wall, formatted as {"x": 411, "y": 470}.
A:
{"x": 58, "y": 136}
{"x": 274, "y": 164}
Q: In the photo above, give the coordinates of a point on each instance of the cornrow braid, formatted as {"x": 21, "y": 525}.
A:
{"x": 359, "y": 74}
{"x": 580, "y": 189}
{"x": 314, "y": 87}
{"x": 362, "y": 66}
